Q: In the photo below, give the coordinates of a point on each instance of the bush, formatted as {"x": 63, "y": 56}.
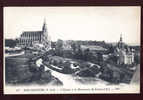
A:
{"x": 46, "y": 75}
{"x": 85, "y": 73}
{"x": 67, "y": 69}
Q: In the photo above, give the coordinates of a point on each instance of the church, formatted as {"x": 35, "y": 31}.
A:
{"x": 30, "y": 38}
{"x": 124, "y": 53}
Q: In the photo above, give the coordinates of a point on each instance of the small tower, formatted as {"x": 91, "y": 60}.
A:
{"x": 120, "y": 43}
{"x": 121, "y": 38}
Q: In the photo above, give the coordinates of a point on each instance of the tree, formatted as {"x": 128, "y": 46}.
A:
{"x": 59, "y": 43}
{"x": 113, "y": 58}
{"x": 99, "y": 57}
{"x": 67, "y": 69}
{"x": 137, "y": 59}
{"x": 73, "y": 46}
{"x": 59, "y": 47}
{"x": 111, "y": 49}
{"x": 53, "y": 45}
{"x": 86, "y": 54}
{"x": 10, "y": 43}
{"x": 78, "y": 53}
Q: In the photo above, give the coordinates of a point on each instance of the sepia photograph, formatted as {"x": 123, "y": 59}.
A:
{"x": 71, "y": 49}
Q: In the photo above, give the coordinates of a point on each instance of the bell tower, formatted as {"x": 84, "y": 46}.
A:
{"x": 121, "y": 38}
{"x": 44, "y": 28}
{"x": 45, "y": 36}
{"x": 120, "y": 43}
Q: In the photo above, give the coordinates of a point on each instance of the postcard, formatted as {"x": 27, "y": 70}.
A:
{"x": 72, "y": 50}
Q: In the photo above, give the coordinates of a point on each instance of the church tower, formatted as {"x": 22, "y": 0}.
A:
{"x": 121, "y": 38}
{"x": 44, "y": 28}
{"x": 120, "y": 43}
{"x": 45, "y": 39}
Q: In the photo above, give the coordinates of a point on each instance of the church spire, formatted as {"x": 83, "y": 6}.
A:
{"x": 44, "y": 28}
{"x": 121, "y": 38}
{"x": 120, "y": 43}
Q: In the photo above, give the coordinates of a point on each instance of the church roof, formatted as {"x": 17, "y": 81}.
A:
{"x": 32, "y": 32}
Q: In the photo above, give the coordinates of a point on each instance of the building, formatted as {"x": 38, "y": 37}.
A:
{"x": 30, "y": 38}
{"x": 67, "y": 45}
{"x": 124, "y": 54}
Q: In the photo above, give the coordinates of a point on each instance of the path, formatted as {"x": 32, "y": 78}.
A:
{"x": 16, "y": 54}
{"x": 67, "y": 79}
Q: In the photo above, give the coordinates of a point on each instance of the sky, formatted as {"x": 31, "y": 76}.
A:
{"x": 76, "y": 23}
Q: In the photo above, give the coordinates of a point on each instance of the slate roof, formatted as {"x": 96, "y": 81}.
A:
{"x": 31, "y": 33}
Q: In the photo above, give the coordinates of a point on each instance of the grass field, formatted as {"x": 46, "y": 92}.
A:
{"x": 17, "y": 72}
{"x": 17, "y": 68}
